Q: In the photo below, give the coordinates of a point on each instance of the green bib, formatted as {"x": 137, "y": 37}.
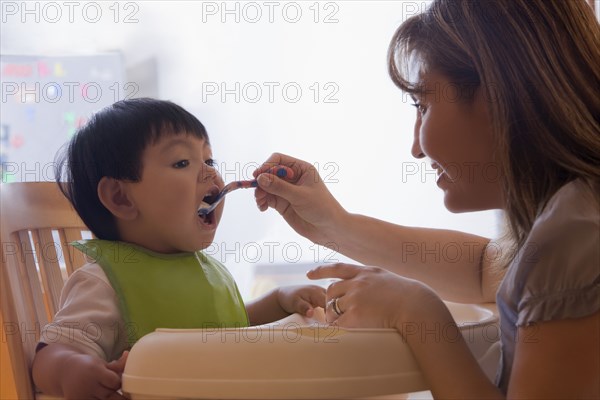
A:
{"x": 184, "y": 290}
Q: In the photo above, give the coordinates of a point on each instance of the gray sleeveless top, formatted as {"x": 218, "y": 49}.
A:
{"x": 556, "y": 274}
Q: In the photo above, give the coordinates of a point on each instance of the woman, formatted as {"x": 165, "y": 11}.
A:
{"x": 508, "y": 111}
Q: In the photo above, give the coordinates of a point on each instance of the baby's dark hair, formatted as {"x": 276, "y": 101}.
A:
{"x": 111, "y": 145}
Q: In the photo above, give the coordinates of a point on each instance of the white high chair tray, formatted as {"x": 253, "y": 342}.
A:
{"x": 294, "y": 358}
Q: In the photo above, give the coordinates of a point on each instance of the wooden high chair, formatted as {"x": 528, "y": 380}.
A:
{"x": 37, "y": 222}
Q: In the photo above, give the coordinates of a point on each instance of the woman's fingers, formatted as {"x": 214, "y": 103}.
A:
{"x": 366, "y": 296}
{"x": 304, "y": 201}
{"x": 339, "y": 270}
{"x": 263, "y": 199}
{"x": 278, "y": 159}
{"x": 338, "y": 289}
{"x": 275, "y": 185}
{"x": 334, "y": 309}
{"x": 274, "y": 188}
{"x": 336, "y": 292}
{"x": 275, "y": 193}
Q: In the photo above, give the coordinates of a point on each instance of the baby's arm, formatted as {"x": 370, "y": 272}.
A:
{"x": 283, "y": 301}
{"x": 86, "y": 332}
{"x": 62, "y": 370}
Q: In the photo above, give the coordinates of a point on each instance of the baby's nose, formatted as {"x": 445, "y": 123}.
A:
{"x": 208, "y": 173}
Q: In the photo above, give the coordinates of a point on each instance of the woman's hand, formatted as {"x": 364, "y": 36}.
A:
{"x": 301, "y": 299}
{"x": 373, "y": 297}
{"x": 304, "y": 201}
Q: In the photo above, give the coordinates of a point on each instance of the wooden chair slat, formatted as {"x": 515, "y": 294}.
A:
{"x": 76, "y": 258}
{"x": 29, "y": 288}
{"x": 49, "y": 267}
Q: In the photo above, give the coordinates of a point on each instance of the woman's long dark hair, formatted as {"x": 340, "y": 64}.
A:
{"x": 538, "y": 62}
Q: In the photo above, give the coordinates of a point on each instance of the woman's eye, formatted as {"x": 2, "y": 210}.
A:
{"x": 181, "y": 164}
{"x": 421, "y": 109}
{"x": 210, "y": 162}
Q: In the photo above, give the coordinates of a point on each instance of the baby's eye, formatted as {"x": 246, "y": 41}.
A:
{"x": 210, "y": 162}
{"x": 181, "y": 164}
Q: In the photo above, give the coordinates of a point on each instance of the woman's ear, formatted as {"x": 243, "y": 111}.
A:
{"x": 114, "y": 196}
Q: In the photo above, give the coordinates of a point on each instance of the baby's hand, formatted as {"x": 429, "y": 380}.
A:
{"x": 91, "y": 377}
{"x": 301, "y": 299}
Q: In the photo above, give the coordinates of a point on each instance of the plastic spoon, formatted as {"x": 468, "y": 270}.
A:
{"x": 206, "y": 208}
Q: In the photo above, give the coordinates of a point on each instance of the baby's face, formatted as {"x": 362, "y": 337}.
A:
{"x": 177, "y": 174}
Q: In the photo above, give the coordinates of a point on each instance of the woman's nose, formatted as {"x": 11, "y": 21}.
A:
{"x": 416, "y": 150}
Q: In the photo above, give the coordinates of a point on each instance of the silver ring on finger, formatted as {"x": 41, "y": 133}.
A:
{"x": 336, "y": 307}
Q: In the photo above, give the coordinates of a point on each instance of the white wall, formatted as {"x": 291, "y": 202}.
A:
{"x": 361, "y": 142}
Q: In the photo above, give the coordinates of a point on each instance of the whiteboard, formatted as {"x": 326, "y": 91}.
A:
{"x": 44, "y": 101}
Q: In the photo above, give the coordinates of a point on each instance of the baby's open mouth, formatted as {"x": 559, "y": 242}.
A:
{"x": 208, "y": 219}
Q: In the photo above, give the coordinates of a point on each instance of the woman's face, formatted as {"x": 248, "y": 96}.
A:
{"x": 456, "y": 134}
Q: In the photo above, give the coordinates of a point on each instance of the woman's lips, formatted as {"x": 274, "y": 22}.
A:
{"x": 441, "y": 174}
{"x": 439, "y": 171}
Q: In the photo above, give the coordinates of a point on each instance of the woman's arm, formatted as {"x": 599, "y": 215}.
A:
{"x": 456, "y": 264}
{"x": 442, "y": 353}
{"x": 370, "y": 297}
{"x": 557, "y": 360}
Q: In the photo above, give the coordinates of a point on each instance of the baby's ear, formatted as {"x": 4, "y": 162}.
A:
{"x": 114, "y": 196}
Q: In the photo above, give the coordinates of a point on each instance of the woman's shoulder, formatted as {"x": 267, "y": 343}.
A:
{"x": 568, "y": 227}
{"x": 556, "y": 273}
{"x": 569, "y": 219}
{"x": 576, "y": 202}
